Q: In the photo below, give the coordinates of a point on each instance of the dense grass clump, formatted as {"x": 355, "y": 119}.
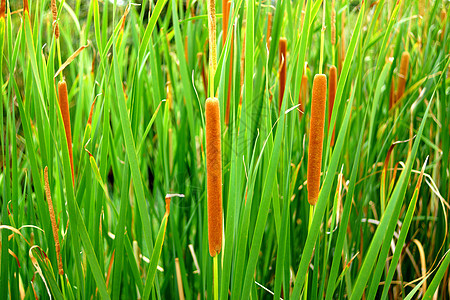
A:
{"x": 238, "y": 149}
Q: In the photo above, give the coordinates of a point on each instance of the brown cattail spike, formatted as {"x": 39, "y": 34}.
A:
{"x": 2, "y": 8}
{"x": 404, "y": 63}
{"x": 25, "y": 6}
{"x": 202, "y": 67}
{"x": 55, "y": 18}
{"x": 318, "y": 99}
{"x": 64, "y": 106}
{"x": 303, "y": 94}
{"x": 53, "y": 221}
{"x": 269, "y": 29}
{"x": 443, "y": 20}
{"x": 392, "y": 94}
{"x": 225, "y": 15}
{"x": 331, "y": 95}
{"x": 283, "y": 46}
{"x": 214, "y": 175}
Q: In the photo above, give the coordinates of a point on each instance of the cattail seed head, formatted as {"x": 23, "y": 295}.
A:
{"x": 404, "y": 63}
{"x": 55, "y": 18}
{"x": 443, "y": 20}
{"x": 269, "y": 29}
{"x": 64, "y": 106}
{"x": 26, "y": 6}
{"x": 392, "y": 94}
{"x": 303, "y": 94}
{"x": 212, "y": 36}
{"x": 283, "y": 46}
{"x": 214, "y": 175}
{"x": 2, "y": 8}
{"x": 225, "y": 16}
{"x": 53, "y": 221}
{"x": 317, "y": 121}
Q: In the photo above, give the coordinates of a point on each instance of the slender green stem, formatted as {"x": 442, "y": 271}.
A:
{"x": 216, "y": 278}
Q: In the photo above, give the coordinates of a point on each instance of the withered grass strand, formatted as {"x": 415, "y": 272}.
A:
{"x": 64, "y": 106}
{"x": 404, "y": 63}
{"x": 55, "y": 18}
{"x": 331, "y": 96}
{"x": 214, "y": 175}
{"x": 53, "y": 221}
{"x": 319, "y": 92}
{"x": 283, "y": 46}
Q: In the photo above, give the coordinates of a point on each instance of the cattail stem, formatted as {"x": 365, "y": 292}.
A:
{"x": 53, "y": 221}
{"x": 212, "y": 44}
{"x": 333, "y": 30}
{"x": 283, "y": 46}
{"x": 404, "y": 63}
{"x": 64, "y": 107}
{"x": 331, "y": 96}
{"x": 214, "y": 175}
{"x": 317, "y": 121}
{"x": 322, "y": 39}
{"x": 342, "y": 43}
{"x": 230, "y": 72}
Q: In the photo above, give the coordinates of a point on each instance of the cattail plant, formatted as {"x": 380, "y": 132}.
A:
{"x": 404, "y": 63}
{"x": 444, "y": 23}
{"x": 331, "y": 96}
{"x": 225, "y": 16}
{"x": 269, "y": 29}
{"x": 319, "y": 92}
{"x": 392, "y": 94}
{"x": 202, "y": 68}
{"x": 230, "y": 73}
{"x": 214, "y": 175}
{"x": 342, "y": 43}
{"x": 55, "y": 18}
{"x": 53, "y": 221}
{"x": 2, "y": 8}
{"x": 303, "y": 96}
{"x": 26, "y": 6}
{"x": 64, "y": 107}
{"x": 283, "y": 46}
